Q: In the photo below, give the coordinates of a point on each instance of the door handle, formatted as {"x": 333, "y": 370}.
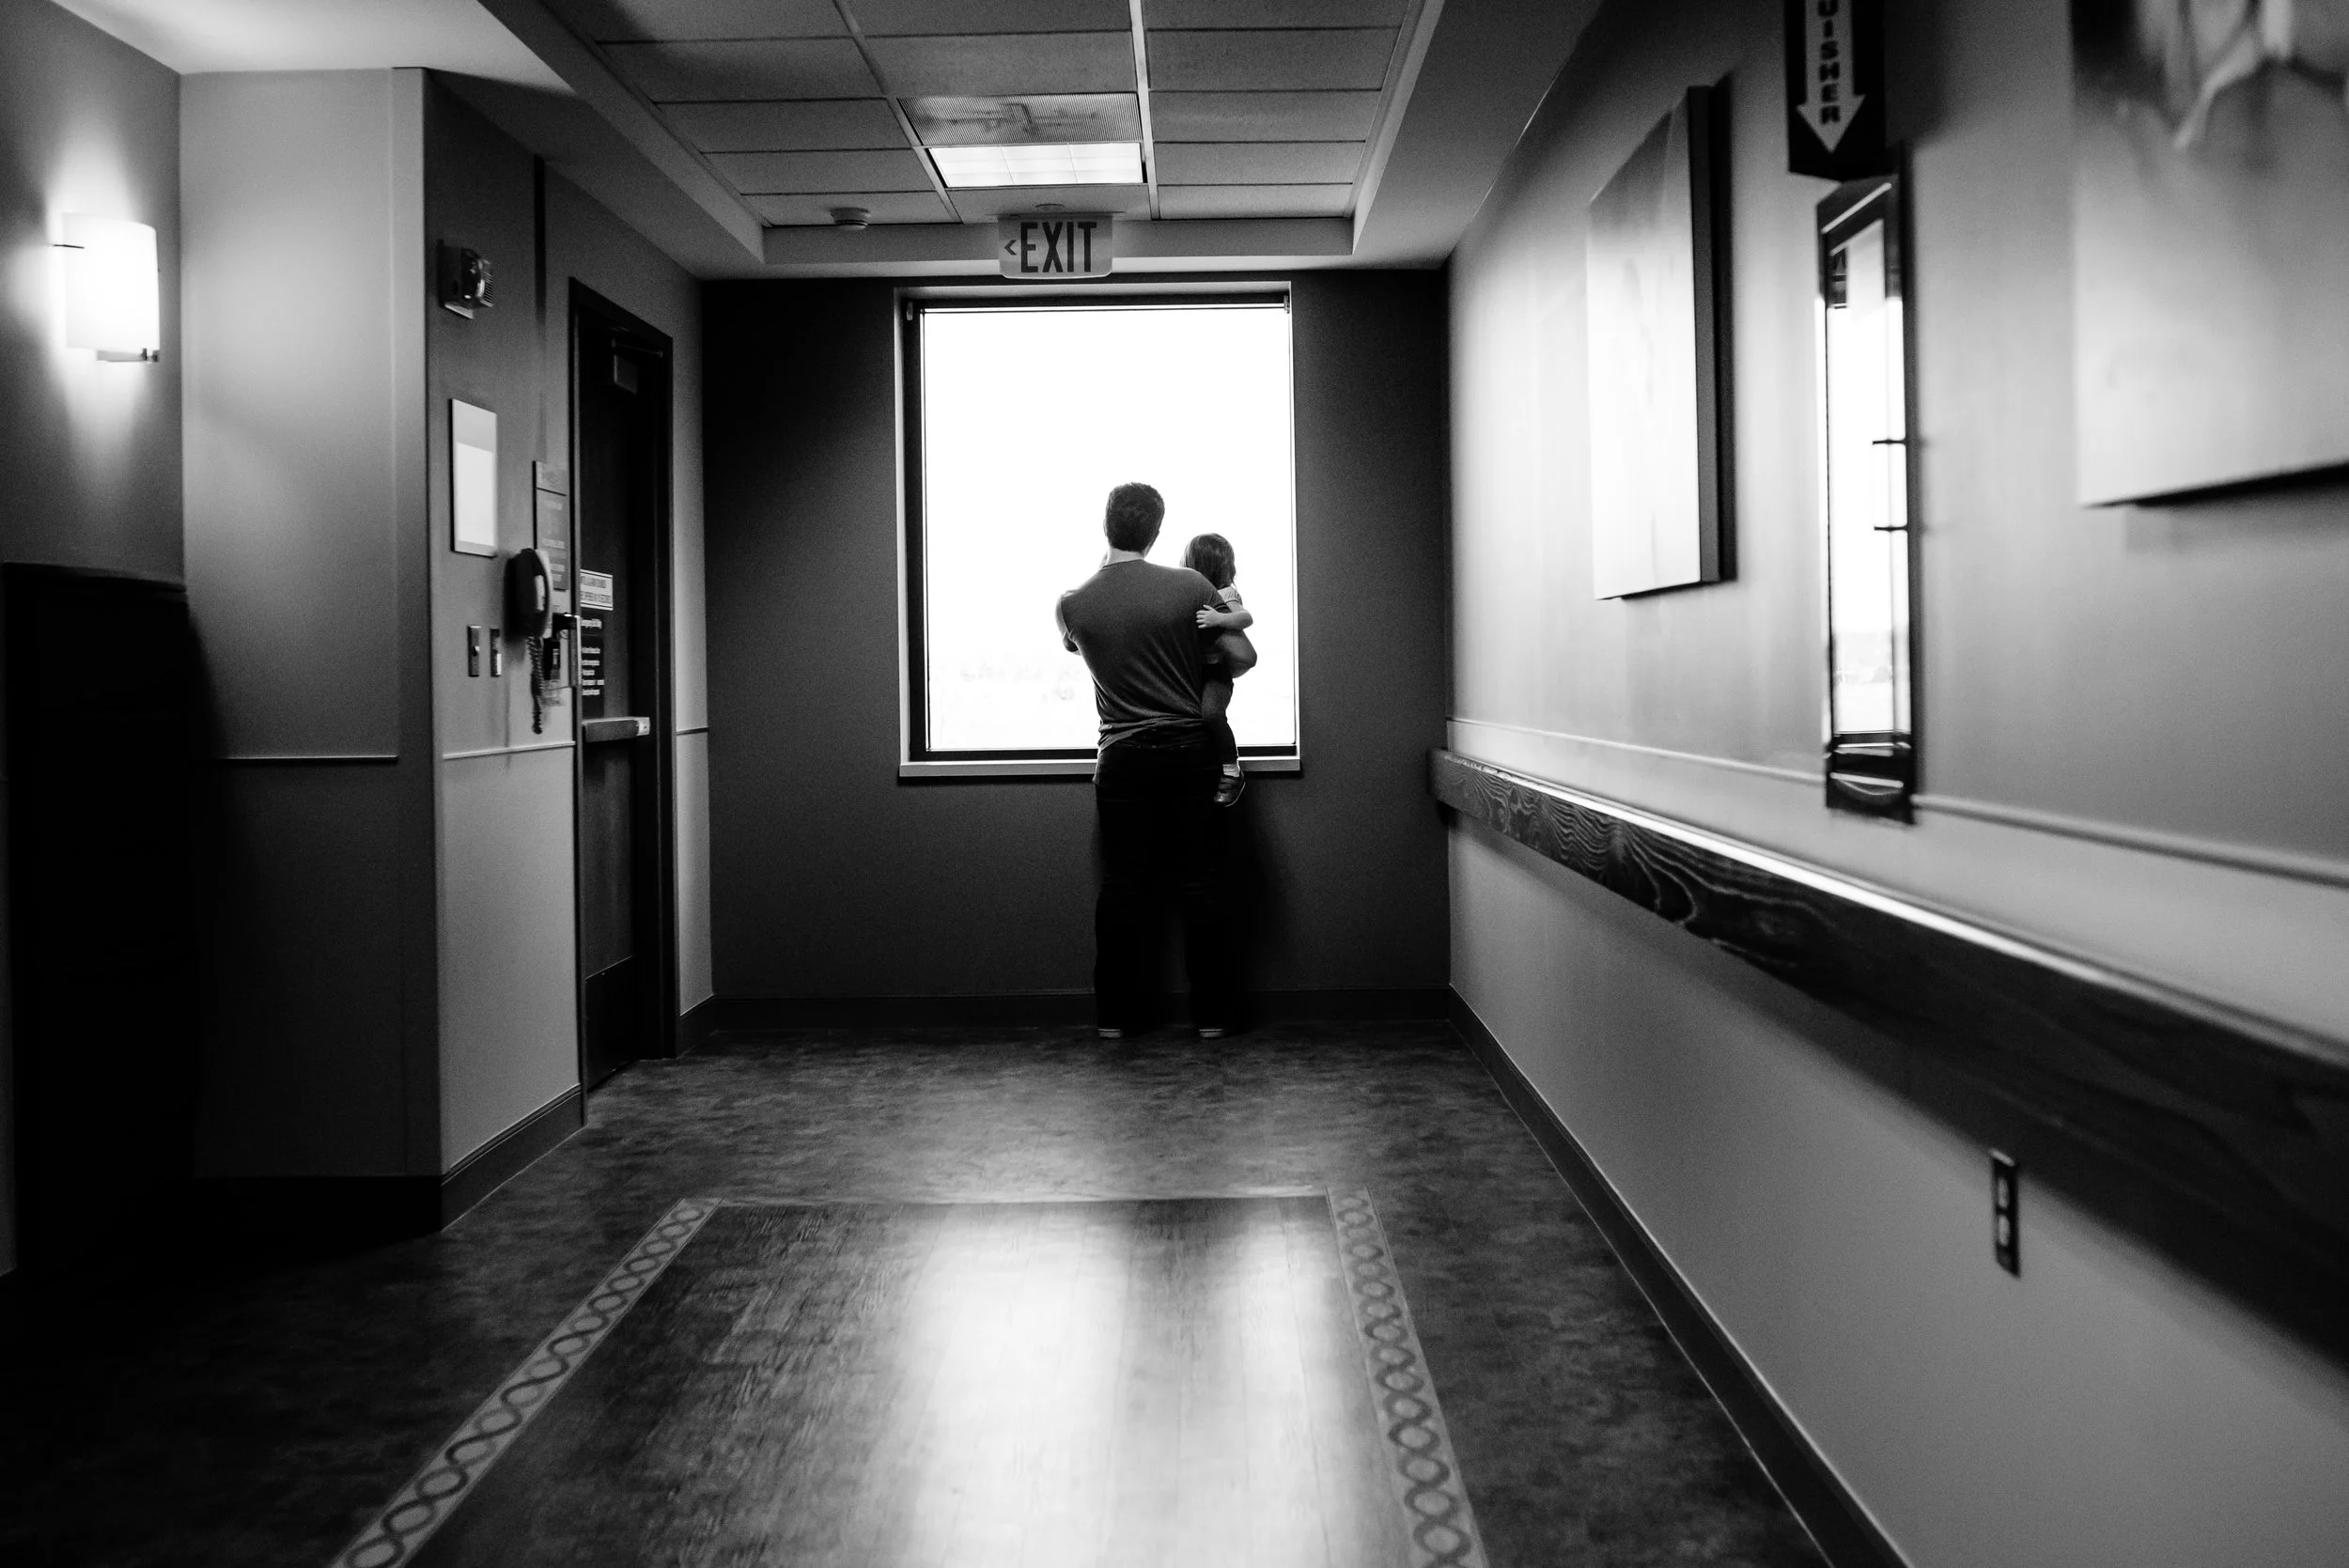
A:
{"x": 594, "y": 730}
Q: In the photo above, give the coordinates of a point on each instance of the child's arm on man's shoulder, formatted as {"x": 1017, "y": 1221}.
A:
{"x": 1234, "y": 616}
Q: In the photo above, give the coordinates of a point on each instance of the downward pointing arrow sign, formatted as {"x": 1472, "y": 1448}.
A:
{"x": 1830, "y": 131}
{"x": 1827, "y": 107}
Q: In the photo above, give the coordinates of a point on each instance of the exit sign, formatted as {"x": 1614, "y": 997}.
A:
{"x": 1063, "y": 245}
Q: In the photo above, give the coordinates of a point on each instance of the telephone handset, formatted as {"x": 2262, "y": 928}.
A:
{"x": 530, "y": 614}
{"x": 529, "y": 595}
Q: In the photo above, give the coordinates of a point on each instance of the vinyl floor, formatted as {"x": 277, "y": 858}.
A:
{"x": 217, "y": 1414}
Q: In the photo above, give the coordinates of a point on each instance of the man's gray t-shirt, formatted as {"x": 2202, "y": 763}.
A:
{"x": 1137, "y": 626}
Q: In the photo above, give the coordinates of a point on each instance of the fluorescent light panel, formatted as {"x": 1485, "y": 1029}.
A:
{"x": 975, "y": 168}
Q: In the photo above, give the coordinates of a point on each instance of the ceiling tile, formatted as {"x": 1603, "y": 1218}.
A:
{"x": 793, "y": 68}
{"x": 1333, "y": 116}
{"x": 886, "y": 18}
{"x": 991, "y": 65}
{"x": 1254, "y": 201}
{"x": 1271, "y": 59}
{"x": 886, "y": 206}
{"x": 1130, "y": 200}
{"x": 1259, "y": 163}
{"x": 821, "y": 123}
{"x": 1039, "y": 117}
{"x": 608, "y": 20}
{"x": 775, "y": 172}
{"x": 1273, "y": 13}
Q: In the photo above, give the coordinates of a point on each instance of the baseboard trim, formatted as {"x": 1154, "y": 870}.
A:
{"x": 693, "y": 1028}
{"x": 757, "y": 1015}
{"x": 1030, "y": 1009}
{"x": 1845, "y": 1533}
{"x": 309, "y": 1214}
{"x": 509, "y": 1154}
{"x": 1369, "y": 1004}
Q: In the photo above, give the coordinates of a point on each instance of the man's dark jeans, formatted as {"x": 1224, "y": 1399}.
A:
{"x": 1158, "y": 830}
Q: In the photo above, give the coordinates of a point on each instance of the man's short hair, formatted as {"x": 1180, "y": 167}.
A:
{"x": 1132, "y": 518}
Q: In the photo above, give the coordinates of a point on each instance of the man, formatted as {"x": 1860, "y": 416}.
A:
{"x": 1154, "y": 785}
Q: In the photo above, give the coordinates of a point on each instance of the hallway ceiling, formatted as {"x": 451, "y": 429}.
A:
{"x": 1244, "y": 108}
{"x": 1273, "y": 133}
{"x": 196, "y": 35}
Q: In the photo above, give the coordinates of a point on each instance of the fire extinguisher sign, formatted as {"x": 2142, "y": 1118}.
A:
{"x": 1835, "y": 89}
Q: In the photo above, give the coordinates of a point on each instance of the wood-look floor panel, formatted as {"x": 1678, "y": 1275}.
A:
{"x": 220, "y": 1416}
{"x": 1172, "y": 1381}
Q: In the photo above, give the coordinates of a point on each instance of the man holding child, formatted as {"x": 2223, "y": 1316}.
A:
{"x": 1164, "y": 645}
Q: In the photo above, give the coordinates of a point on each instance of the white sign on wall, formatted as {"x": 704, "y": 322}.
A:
{"x": 472, "y": 435}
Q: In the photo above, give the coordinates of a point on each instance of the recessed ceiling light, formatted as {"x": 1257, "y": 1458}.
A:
{"x": 973, "y": 169}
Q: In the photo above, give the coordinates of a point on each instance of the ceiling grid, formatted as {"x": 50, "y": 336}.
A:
{"x": 729, "y": 132}
{"x": 904, "y": 128}
{"x": 1241, "y": 108}
{"x": 1142, "y": 91}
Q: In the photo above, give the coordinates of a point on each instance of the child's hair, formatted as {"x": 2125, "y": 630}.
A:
{"x": 1210, "y": 556}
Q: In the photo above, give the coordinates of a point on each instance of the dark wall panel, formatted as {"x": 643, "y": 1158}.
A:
{"x": 89, "y": 452}
{"x": 831, "y": 877}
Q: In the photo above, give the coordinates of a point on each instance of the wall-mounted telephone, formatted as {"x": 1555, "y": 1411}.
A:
{"x": 530, "y": 614}
{"x": 529, "y": 595}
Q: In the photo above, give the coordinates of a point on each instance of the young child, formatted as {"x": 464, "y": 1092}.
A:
{"x": 1210, "y": 556}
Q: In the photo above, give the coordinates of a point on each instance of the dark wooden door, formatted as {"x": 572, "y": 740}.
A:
{"x": 621, "y": 485}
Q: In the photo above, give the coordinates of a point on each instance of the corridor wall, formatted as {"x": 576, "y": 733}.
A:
{"x": 308, "y": 579}
{"x": 391, "y": 999}
{"x": 833, "y": 879}
{"x": 89, "y": 452}
{"x": 2133, "y": 733}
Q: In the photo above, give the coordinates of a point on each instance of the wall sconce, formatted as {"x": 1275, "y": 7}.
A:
{"x": 111, "y": 289}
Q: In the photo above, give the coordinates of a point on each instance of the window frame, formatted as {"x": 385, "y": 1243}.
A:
{"x": 915, "y": 759}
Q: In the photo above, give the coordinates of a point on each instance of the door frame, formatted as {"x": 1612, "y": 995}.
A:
{"x": 656, "y": 896}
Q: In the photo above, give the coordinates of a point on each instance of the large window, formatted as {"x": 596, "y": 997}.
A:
{"x": 1020, "y": 417}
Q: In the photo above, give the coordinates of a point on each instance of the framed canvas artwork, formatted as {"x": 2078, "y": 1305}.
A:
{"x": 1659, "y": 483}
{"x": 2209, "y": 175}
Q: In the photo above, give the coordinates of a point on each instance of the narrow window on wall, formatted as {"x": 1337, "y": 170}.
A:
{"x": 1863, "y": 385}
{"x": 1020, "y": 417}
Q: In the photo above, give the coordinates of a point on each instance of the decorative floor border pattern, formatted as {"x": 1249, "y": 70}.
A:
{"x": 1426, "y": 1476}
{"x": 422, "y": 1506}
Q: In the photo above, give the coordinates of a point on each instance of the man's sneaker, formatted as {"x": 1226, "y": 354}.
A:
{"x": 1229, "y": 786}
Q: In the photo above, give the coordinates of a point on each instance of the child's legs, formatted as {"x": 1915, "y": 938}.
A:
{"x": 1215, "y": 701}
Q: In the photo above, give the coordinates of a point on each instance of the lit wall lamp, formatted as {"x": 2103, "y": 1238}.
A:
{"x": 112, "y": 287}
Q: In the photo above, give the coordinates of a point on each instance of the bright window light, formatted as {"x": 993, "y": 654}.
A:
{"x": 1027, "y": 417}
{"x": 973, "y": 169}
